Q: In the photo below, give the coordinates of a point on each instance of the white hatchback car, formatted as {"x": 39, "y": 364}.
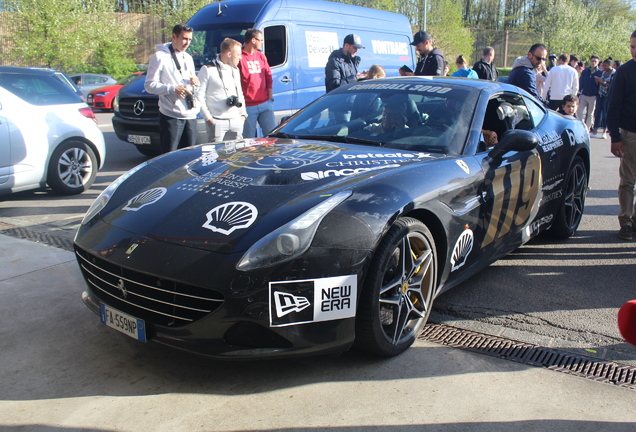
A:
{"x": 47, "y": 134}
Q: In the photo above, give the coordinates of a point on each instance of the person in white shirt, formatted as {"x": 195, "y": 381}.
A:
{"x": 221, "y": 96}
{"x": 172, "y": 76}
{"x": 561, "y": 81}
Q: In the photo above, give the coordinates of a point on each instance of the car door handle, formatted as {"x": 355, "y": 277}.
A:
{"x": 285, "y": 80}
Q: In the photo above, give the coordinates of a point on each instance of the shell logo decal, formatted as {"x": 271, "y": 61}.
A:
{"x": 462, "y": 248}
{"x": 145, "y": 198}
{"x": 229, "y": 217}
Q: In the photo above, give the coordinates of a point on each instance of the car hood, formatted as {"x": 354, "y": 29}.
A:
{"x": 108, "y": 88}
{"x": 225, "y": 197}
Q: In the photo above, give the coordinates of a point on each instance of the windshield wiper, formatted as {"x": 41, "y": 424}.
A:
{"x": 342, "y": 139}
{"x": 282, "y": 135}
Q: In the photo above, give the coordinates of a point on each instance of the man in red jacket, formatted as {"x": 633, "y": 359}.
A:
{"x": 256, "y": 81}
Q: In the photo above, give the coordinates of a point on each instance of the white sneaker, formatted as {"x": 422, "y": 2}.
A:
{"x": 604, "y": 135}
{"x": 593, "y": 135}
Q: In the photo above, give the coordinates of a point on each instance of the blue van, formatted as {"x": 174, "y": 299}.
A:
{"x": 298, "y": 38}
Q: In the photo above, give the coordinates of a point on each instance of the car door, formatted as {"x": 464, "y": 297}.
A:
{"x": 5, "y": 148}
{"x": 511, "y": 192}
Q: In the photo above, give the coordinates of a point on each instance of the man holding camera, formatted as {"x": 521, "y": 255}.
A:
{"x": 221, "y": 96}
{"x": 172, "y": 76}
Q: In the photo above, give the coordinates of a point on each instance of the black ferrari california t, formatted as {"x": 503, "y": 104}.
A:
{"x": 338, "y": 229}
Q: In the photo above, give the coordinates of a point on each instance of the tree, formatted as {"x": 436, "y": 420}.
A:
{"x": 70, "y": 35}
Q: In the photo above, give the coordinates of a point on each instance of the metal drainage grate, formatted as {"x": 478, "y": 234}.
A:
{"x": 38, "y": 237}
{"x": 589, "y": 367}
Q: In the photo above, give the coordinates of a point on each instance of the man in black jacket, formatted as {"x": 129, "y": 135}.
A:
{"x": 342, "y": 66}
{"x": 621, "y": 122}
{"x": 485, "y": 68}
{"x": 431, "y": 59}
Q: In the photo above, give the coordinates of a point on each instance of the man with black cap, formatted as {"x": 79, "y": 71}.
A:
{"x": 431, "y": 59}
{"x": 342, "y": 66}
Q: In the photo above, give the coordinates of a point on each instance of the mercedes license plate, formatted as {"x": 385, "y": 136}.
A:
{"x": 127, "y": 324}
{"x": 139, "y": 139}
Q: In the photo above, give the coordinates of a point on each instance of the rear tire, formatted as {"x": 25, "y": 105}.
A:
{"x": 72, "y": 168}
{"x": 397, "y": 295}
{"x": 569, "y": 216}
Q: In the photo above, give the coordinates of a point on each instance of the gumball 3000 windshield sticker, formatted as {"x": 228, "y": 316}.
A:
{"x": 145, "y": 198}
{"x": 282, "y": 157}
{"x": 229, "y": 217}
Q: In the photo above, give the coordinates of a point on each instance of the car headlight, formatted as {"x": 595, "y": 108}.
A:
{"x": 116, "y": 104}
{"x": 105, "y": 196}
{"x": 292, "y": 239}
{"x": 102, "y": 94}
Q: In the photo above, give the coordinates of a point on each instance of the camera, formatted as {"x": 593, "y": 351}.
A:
{"x": 189, "y": 100}
{"x": 234, "y": 101}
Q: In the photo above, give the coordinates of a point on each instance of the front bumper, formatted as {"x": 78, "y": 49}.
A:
{"x": 235, "y": 319}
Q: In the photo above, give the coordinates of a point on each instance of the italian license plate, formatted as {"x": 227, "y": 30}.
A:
{"x": 139, "y": 139}
{"x": 127, "y": 324}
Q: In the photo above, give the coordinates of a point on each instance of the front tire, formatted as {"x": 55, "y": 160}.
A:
{"x": 571, "y": 212}
{"x": 397, "y": 295}
{"x": 72, "y": 168}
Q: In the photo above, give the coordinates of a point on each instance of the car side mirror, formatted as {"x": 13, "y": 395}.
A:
{"x": 513, "y": 140}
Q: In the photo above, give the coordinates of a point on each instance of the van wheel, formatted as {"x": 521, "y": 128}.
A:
{"x": 397, "y": 295}
{"x": 72, "y": 168}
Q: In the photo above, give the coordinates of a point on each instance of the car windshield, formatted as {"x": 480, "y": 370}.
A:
{"x": 206, "y": 40}
{"x": 39, "y": 89}
{"x": 128, "y": 79}
{"x": 419, "y": 117}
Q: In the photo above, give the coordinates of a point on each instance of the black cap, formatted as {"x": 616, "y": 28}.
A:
{"x": 405, "y": 68}
{"x": 420, "y": 36}
{"x": 552, "y": 56}
{"x": 354, "y": 39}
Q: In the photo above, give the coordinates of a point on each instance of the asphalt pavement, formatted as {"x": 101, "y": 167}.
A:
{"x": 62, "y": 370}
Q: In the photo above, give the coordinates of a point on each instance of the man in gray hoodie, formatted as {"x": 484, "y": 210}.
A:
{"x": 523, "y": 73}
{"x": 172, "y": 76}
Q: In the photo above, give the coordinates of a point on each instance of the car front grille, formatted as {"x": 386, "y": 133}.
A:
{"x": 144, "y": 108}
{"x": 155, "y": 300}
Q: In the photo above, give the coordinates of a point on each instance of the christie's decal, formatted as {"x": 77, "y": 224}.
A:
{"x": 145, "y": 198}
{"x": 312, "y": 300}
{"x": 229, "y": 217}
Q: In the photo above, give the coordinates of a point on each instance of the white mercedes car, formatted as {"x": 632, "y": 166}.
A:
{"x": 48, "y": 136}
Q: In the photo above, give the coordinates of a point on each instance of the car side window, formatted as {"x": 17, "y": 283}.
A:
{"x": 536, "y": 112}
{"x": 275, "y": 45}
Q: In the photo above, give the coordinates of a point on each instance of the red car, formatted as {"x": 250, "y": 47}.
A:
{"x": 102, "y": 98}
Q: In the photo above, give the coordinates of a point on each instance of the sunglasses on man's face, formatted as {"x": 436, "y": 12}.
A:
{"x": 539, "y": 58}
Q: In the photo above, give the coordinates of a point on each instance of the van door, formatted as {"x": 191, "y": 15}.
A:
{"x": 277, "y": 47}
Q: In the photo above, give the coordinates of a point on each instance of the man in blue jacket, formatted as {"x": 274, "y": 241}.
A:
{"x": 342, "y": 66}
{"x": 589, "y": 89}
{"x": 523, "y": 73}
{"x": 621, "y": 122}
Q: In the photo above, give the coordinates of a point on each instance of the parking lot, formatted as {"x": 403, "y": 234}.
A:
{"x": 63, "y": 370}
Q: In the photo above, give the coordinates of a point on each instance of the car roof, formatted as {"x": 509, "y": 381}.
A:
{"x": 31, "y": 71}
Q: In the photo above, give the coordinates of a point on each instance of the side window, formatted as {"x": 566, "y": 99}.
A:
{"x": 275, "y": 45}
{"x": 536, "y": 112}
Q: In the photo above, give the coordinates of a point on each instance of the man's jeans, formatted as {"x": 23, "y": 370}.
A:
{"x": 176, "y": 133}
{"x": 588, "y": 102}
{"x": 264, "y": 114}
{"x": 627, "y": 173}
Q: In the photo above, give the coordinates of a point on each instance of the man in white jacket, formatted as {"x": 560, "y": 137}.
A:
{"x": 221, "y": 96}
{"x": 172, "y": 76}
{"x": 561, "y": 81}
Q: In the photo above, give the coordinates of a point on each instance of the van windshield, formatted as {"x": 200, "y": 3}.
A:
{"x": 206, "y": 42}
